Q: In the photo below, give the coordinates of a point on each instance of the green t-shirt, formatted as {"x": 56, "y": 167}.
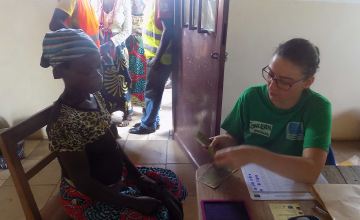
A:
{"x": 254, "y": 120}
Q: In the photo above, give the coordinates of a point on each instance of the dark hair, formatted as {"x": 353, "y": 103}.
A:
{"x": 302, "y": 53}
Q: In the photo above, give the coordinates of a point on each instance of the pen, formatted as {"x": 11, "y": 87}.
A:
{"x": 321, "y": 210}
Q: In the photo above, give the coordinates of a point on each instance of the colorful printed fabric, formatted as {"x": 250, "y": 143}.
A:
{"x": 81, "y": 207}
{"x": 67, "y": 44}
{"x": 117, "y": 82}
{"x": 137, "y": 69}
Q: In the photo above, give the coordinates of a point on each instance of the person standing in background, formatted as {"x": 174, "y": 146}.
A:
{"x": 78, "y": 14}
{"x": 115, "y": 25}
{"x": 137, "y": 58}
{"x": 157, "y": 36}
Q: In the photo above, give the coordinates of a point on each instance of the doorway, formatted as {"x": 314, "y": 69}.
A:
{"x": 199, "y": 62}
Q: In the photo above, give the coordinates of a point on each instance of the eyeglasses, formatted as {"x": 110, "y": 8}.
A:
{"x": 266, "y": 72}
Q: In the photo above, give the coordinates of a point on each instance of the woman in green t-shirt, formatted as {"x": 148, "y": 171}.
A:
{"x": 283, "y": 125}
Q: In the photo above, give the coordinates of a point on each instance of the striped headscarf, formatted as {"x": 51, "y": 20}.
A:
{"x": 66, "y": 44}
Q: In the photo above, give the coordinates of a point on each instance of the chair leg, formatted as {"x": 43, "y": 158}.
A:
{"x": 20, "y": 181}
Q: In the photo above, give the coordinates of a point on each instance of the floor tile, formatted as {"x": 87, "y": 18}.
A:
{"x": 166, "y": 117}
{"x": 190, "y": 208}
{"x": 3, "y": 181}
{"x": 51, "y": 197}
{"x": 4, "y": 174}
{"x": 161, "y": 134}
{"x": 123, "y": 132}
{"x": 40, "y": 151}
{"x": 175, "y": 154}
{"x": 334, "y": 151}
{"x": 347, "y": 149}
{"x": 122, "y": 143}
{"x": 50, "y": 175}
{"x": 167, "y": 99}
{"x": 146, "y": 152}
{"x": 30, "y": 146}
{"x": 27, "y": 164}
{"x": 135, "y": 118}
{"x": 138, "y": 137}
{"x": 186, "y": 174}
{"x": 338, "y": 158}
{"x": 10, "y": 206}
{"x": 57, "y": 189}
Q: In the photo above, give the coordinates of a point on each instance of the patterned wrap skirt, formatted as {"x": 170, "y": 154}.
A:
{"x": 117, "y": 81}
{"x": 80, "y": 207}
{"x": 137, "y": 70}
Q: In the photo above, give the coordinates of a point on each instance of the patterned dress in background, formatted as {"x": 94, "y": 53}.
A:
{"x": 137, "y": 64}
{"x": 117, "y": 81}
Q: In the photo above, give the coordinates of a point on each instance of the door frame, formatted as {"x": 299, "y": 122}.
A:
{"x": 221, "y": 27}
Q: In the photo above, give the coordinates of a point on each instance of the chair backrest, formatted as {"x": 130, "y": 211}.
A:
{"x": 330, "y": 160}
{"x": 8, "y": 140}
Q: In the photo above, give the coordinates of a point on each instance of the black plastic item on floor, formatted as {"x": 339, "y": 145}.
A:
{"x": 19, "y": 149}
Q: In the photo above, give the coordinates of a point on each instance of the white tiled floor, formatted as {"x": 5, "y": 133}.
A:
{"x": 157, "y": 150}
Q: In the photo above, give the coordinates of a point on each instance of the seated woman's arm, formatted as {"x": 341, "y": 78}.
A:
{"x": 304, "y": 169}
{"x": 77, "y": 166}
{"x": 147, "y": 186}
{"x": 129, "y": 164}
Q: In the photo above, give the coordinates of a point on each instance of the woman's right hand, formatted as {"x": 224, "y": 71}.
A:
{"x": 147, "y": 205}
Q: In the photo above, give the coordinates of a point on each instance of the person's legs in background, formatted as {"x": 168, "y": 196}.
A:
{"x": 155, "y": 83}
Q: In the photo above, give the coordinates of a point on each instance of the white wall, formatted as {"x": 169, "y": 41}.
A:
{"x": 25, "y": 87}
{"x": 256, "y": 27}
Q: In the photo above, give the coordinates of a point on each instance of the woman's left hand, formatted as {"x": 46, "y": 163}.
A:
{"x": 235, "y": 157}
{"x": 148, "y": 186}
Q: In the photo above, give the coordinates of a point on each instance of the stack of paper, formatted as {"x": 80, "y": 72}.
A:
{"x": 342, "y": 201}
{"x": 267, "y": 185}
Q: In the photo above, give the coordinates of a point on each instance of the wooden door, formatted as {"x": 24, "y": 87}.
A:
{"x": 199, "y": 62}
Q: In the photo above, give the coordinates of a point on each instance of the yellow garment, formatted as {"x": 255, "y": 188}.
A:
{"x": 152, "y": 35}
{"x": 70, "y": 7}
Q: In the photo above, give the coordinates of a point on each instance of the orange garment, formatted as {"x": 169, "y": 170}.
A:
{"x": 81, "y": 16}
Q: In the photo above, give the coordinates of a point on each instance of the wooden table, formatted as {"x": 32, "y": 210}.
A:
{"x": 234, "y": 188}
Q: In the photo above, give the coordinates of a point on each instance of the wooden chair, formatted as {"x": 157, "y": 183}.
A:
{"x": 8, "y": 139}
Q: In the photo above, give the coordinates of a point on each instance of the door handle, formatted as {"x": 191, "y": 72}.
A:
{"x": 215, "y": 56}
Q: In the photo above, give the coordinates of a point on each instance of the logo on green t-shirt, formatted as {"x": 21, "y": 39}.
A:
{"x": 261, "y": 128}
{"x": 294, "y": 131}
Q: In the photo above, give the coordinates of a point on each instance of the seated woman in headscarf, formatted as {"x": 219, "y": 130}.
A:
{"x": 98, "y": 179}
